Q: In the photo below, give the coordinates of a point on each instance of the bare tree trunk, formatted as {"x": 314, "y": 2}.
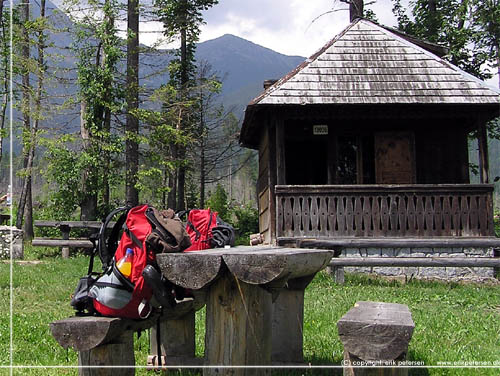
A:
{"x": 28, "y": 221}
{"x": 132, "y": 125}
{"x": 498, "y": 64}
{"x": 26, "y": 105}
{"x": 432, "y": 6}
{"x": 106, "y": 196}
{"x": 355, "y": 9}
{"x": 88, "y": 205}
{"x": 181, "y": 174}
{"x": 172, "y": 184}
{"x": 107, "y": 124}
{"x": 202, "y": 175}
{"x": 5, "y": 97}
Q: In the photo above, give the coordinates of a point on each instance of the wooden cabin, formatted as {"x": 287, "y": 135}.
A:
{"x": 368, "y": 138}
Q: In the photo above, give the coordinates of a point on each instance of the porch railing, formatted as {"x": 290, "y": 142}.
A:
{"x": 384, "y": 210}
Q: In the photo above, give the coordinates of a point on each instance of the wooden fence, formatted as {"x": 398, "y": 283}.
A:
{"x": 384, "y": 210}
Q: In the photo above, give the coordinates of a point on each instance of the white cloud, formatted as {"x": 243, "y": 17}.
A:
{"x": 292, "y": 27}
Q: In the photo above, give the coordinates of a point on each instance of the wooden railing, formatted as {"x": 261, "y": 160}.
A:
{"x": 384, "y": 210}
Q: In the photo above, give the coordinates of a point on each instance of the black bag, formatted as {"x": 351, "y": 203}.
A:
{"x": 80, "y": 300}
{"x": 222, "y": 234}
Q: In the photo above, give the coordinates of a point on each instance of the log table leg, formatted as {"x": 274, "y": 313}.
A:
{"x": 288, "y": 322}
{"x": 238, "y": 327}
{"x": 118, "y": 353}
{"x": 288, "y": 318}
{"x": 177, "y": 339}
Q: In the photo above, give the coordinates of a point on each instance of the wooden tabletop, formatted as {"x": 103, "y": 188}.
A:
{"x": 254, "y": 265}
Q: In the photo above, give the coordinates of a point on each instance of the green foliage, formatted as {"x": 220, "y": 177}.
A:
{"x": 178, "y": 17}
{"x": 247, "y": 223}
{"x": 450, "y": 24}
{"x": 66, "y": 161}
{"x": 161, "y": 135}
{"x": 218, "y": 202}
{"x": 64, "y": 169}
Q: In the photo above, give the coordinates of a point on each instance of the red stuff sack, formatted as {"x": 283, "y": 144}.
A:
{"x": 113, "y": 293}
{"x": 200, "y": 223}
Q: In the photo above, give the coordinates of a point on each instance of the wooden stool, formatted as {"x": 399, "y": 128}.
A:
{"x": 100, "y": 341}
{"x": 375, "y": 334}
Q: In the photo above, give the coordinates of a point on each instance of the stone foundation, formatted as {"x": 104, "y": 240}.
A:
{"x": 448, "y": 273}
{"x": 11, "y": 235}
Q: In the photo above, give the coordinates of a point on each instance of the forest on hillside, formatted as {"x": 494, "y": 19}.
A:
{"x": 94, "y": 129}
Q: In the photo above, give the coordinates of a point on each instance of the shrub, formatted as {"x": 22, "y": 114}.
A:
{"x": 247, "y": 223}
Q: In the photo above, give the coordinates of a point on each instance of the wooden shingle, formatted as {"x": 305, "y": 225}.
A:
{"x": 369, "y": 64}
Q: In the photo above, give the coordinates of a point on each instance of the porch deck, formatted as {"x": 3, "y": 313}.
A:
{"x": 384, "y": 211}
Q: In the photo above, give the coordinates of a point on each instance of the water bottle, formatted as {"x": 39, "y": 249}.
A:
{"x": 9, "y": 198}
{"x": 124, "y": 265}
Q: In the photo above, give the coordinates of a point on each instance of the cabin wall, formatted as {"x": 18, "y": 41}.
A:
{"x": 362, "y": 152}
{"x": 263, "y": 188}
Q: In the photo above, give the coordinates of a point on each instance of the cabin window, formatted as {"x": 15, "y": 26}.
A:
{"x": 355, "y": 160}
{"x": 347, "y": 160}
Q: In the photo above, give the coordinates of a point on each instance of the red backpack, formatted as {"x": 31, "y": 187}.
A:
{"x": 207, "y": 230}
{"x": 124, "y": 301}
{"x": 200, "y": 223}
{"x": 146, "y": 231}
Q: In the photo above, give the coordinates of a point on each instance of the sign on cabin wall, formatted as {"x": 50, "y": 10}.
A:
{"x": 320, "y": 130}
{"x": 395, "y": 158}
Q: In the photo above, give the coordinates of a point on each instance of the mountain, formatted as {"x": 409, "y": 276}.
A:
{"x": 246, "y": 66}
{"x": 243, "y": 65}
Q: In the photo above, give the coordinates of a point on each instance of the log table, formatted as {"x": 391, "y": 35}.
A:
{"x": 255, "y": 302}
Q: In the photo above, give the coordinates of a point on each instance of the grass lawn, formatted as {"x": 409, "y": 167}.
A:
{"x": 454, "y": 322}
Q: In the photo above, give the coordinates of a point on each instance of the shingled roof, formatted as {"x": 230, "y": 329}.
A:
{"x": 369, "y": 64}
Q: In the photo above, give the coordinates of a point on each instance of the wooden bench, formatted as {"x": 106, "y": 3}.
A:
{"x": 108, "y": 341}
{"x": 65, "y": 227}
{"x": 338, "y": 263}
{"x": 255, "y": 302}
{"x": 375, "y": 334}
{"x": 5, "y": 219}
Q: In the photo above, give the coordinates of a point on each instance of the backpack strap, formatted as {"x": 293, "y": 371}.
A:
{"x": 94, "y": 239}
{"x": 158, "y": 338}
{"x": 132, "y": 236}
{"x": 107, "y": 247}
{"x": 195, "y": 230}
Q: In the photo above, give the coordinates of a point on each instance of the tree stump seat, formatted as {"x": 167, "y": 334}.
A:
{"x": 105, "y": 345}
{"x": 375, "y": 334}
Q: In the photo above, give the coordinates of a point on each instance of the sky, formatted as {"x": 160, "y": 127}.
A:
{"x": 291, "y": 27}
